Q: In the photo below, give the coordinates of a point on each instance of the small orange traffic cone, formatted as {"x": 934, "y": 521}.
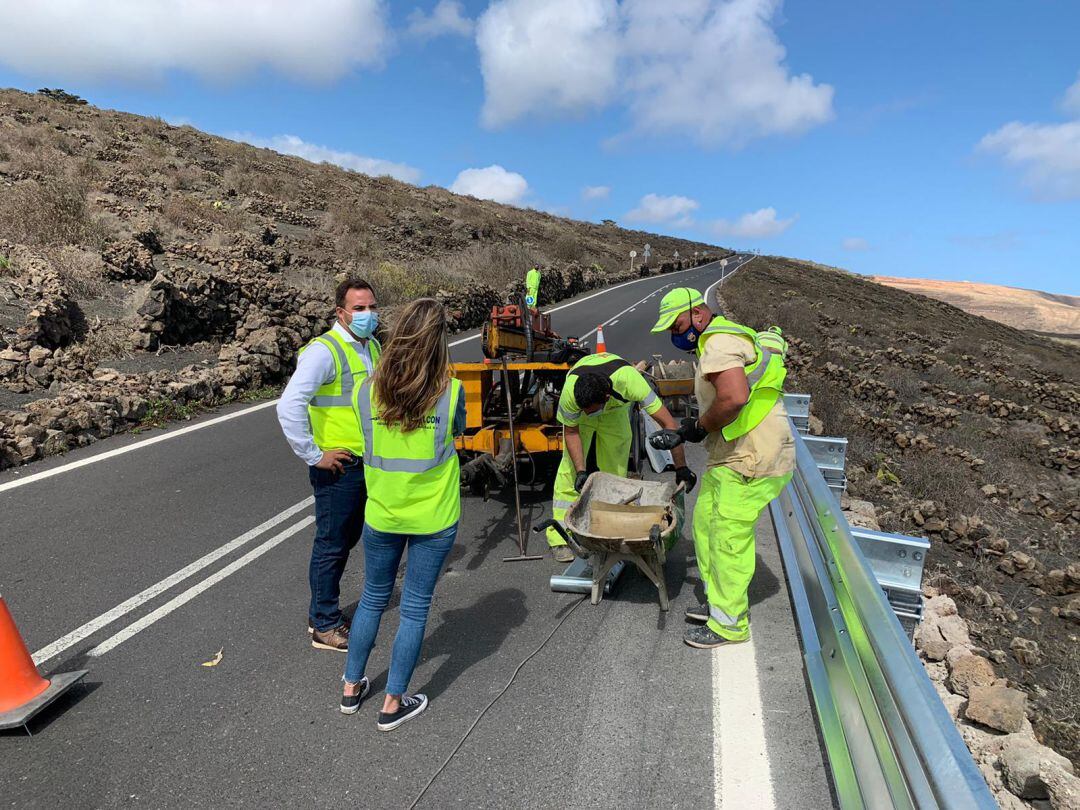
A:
{"x": 601, "y": 346}
{"x": 23, "y": 692}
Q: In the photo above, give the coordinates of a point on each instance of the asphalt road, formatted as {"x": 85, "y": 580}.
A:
{"x": 142, "y": 565}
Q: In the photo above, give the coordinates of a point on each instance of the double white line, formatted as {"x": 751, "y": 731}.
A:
{"x": 125, "y": 607}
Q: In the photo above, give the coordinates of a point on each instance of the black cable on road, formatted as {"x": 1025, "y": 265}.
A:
{"x": 494, "y": 700}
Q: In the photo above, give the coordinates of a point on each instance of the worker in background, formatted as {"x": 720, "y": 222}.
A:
{"x": 409, "y": 413}
{"x": 532, "y": 289}
{"x": 595, "y": 403}
{"x": 751, "y": 453}
{"x": 316, "y": 415}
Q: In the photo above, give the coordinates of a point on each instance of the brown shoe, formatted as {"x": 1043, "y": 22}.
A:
{"x": 336, "y": 639}
{"x": 563, "y": 554}
{"x": 311, "y": 627}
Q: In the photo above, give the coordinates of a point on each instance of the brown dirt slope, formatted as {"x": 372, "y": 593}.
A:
{"x": 1013, "y": 306}
{"x": 146, "y": 269}
{"x": 961, "y": 429}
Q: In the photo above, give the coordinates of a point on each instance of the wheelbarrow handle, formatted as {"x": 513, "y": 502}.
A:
{"x": 551, "y": 523}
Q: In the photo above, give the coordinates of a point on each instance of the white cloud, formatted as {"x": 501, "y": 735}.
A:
{"x": 135, "y": 40}
{"x": 759, "y": 224}
{"x": 292, "y": 145}
{"x": 712, "y": 68}
{"x": 657, "y": 208}
{"x": 447, "y": 17}
{"x": 1048, "y": 154}
{"x": 595, "y": 192}
{"x": 492, "y": 183}
{"x": 1070, "y": 103}
{"x": 855, "y": 243}
{"x": 546, "y": 56}
{"x": 715, "y": 69}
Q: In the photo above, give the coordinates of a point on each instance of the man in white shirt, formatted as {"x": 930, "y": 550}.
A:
{"x": 316, "y": 416}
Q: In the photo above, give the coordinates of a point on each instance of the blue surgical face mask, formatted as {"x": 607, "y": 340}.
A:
{"x": 364, "y": 324}
{"x": 687, "y": 341}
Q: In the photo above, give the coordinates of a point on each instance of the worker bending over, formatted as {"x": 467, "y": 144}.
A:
{"x": 751, "y": 453}
{"x": 595, "y": 402}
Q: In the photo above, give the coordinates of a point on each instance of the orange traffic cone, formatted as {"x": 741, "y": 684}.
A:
{"x": 23, "y": 692}
{"x": 601, "y": 346}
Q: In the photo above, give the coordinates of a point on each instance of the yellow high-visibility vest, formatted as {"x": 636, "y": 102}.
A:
{"x": 333, "y": 424}
{"x": 412, "y": 477}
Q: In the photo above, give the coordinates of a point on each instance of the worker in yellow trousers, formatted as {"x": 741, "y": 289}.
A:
{"x": 595, "y": 405}
{"x": 751, "y": 453}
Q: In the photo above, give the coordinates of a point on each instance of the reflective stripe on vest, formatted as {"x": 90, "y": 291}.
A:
{"x": 603, "y": 364}
{"x": 343, "y": 372}
{"x": 442, "y": 450}
{"x": 764, "y": 377}
{"x": 412, "y": 476}
{"x": 333, "y": 424}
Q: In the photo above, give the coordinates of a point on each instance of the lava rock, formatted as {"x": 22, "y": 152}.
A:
{"x": 999, "y": 707}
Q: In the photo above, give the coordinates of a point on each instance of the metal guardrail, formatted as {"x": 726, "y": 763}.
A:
{"x": 889, "y": 740}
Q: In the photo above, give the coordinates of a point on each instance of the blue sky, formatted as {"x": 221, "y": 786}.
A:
{"x": 929, "y": 139}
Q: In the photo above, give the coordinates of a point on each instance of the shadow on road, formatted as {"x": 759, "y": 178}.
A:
{"x": 469, "y": 635}
{"x": 764, "y": 584}
{"x": 501, "y": 533}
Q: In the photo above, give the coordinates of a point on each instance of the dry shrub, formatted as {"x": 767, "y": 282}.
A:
{"x": 397, "y": 285}
{"x": 190, "y": 214}
{"x": 567, "y": 249}
{"x": 51, "y": 212}
{"x": 496, "y": 265}
{"x": 932, "y": 476}
{"x": 185, "y": 178}
{"x": 82, "y": 270}
{"x": 794, "y": 315}
{"x": 359, "y": 217}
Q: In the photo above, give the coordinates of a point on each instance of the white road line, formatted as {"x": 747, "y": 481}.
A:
{"x": 615, "y": 318}
{"x": 119, "y": 451}
{"x": 723, "y": 276}
{"x": 182, "y": 599}
{"x": 92, "y": 626}
{"x": 594, "y": 295}
{"x": 743, "y": 777}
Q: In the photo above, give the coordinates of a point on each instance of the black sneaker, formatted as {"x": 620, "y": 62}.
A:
{"x": 700, "y": 613}
{"x": 350, "y": 703}
{"x": 411, "y": 705}
{"x": 705, "y": 639}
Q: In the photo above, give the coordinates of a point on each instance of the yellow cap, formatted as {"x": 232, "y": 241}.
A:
{"x": 674, "y": 304}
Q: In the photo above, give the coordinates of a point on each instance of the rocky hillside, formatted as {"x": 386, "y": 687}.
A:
{"x": 1022, "y": 309}
{"x": 963, "y": 430}
{"x": 147, "y": 269}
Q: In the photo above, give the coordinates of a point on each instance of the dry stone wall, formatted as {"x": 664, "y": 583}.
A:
{"x": 228, "y": 296}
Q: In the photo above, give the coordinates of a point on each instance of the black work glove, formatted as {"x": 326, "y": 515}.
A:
{"x": 684, "y": 475}
{"x": 692, "y": 431}
{"x": 579, "y": 482}
{"x": 665, "y": 439}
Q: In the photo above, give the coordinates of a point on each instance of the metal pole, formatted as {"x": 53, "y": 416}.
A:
{"x": 522, "y": 539}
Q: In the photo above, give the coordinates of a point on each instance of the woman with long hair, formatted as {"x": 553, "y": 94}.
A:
{"x": 409, "y": 412}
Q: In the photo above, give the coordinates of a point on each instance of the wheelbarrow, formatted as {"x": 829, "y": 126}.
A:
{"x": 618, "y": 521}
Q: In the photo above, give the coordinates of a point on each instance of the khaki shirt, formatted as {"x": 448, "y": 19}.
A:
{"x": 766, "y": 451}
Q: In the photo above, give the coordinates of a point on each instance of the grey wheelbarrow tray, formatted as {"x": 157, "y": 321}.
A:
{"x": 648, "y": 550}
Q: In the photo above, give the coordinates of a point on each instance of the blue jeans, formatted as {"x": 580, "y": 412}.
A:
{"x": 339, "y": 519}
{"x": 382, "y": 556}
